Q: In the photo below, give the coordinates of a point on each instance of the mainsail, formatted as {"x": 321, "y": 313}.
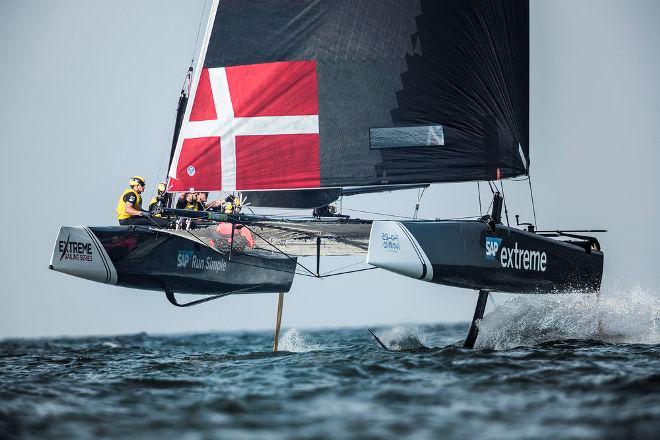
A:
{"x": 292, "y": 95}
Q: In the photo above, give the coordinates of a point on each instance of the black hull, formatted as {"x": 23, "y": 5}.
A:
{"x": 144, "y": 258}
{"x": 470, "y": 255}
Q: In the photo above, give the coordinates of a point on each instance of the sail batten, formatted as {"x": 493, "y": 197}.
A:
{"x": 293, "y": 95}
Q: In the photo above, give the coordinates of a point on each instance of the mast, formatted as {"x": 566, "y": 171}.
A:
{"x": 180, "y": 111}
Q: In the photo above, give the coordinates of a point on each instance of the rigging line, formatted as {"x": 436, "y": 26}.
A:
{"x": 506, "y": 210}
{"x": 153, "y": 221}
{"x": 479, "y": 192}
{"x": 350, "y": 271}
{"x": 162, "y": 159}
{"x": 165, "y": 151}
{"x": 256, "y": 265}
{"x": 490, "y": 185}
{"x": 343, "y": 267}
{"x": 460, "y": 218}
{"x": 280, "y": 251}
{"x": 490, "y": 206}
{"x": 199, "y": 27}
{"x": 264, "y": 267}
{"x": 531, "y": 194}
{"x": 200, "y": 240}
{"x": 420, "y": 194}
{"x": 380, "y": 213}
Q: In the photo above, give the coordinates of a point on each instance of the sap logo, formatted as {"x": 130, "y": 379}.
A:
{"x": 390, "y": 242}
{"x": 492, "y": 245}
{"x": 183, "y": 258}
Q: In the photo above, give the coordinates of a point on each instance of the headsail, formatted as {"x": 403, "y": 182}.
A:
{"x": 315, "y": 94}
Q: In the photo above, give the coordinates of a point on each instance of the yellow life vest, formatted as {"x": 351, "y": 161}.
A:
{"x": 121, "y": 205}
{"x": 194, "y": 206}
{"x": 152, "y": 205}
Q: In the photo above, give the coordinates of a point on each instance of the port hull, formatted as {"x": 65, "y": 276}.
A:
{"x": 141, "y": 257}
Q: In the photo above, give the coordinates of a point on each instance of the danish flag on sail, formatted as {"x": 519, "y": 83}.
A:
{"x": 251, "y": 127}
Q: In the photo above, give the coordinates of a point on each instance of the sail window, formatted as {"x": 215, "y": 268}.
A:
{"x": 397, "y": 137}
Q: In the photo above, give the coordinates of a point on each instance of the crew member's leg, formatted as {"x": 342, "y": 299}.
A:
{"x": 136, "y": 221}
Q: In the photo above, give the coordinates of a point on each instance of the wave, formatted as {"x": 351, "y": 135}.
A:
{"x": 628, "y": 316}
{"x": 403, "y": 338}
{"x": 296, "y": 342}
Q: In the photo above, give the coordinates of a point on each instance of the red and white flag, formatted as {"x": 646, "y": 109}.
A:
{"x": 251, "y": 127}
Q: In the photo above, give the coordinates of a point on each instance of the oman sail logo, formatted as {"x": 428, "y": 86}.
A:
{"x": 250, "y": 127}
{"x": 391, "y": 242}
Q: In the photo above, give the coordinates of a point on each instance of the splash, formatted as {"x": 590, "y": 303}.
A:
{"x": 624, "y": 316}
{"x": 294, "y": 341}
{"x": 403, "y": 338}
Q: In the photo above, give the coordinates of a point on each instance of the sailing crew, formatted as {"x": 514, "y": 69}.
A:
{"x": 129, "y": 206}
{"x": 188, "y": 200}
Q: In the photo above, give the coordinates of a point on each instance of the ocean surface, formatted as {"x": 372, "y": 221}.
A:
{"x": 544, "y": 367}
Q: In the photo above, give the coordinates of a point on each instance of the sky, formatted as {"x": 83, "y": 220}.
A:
{"x": 89, "y": 98}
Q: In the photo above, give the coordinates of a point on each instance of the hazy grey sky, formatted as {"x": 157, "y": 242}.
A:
{"x": 89, "y": 94}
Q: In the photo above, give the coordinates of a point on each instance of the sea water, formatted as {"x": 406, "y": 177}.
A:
{"x": 545, "y": 367}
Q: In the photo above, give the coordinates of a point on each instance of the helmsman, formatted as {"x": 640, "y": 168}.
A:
{"x": 129, "y": 206}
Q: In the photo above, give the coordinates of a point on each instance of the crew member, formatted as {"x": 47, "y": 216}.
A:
{"x": 202, "y": 199}
{"x": 159, "y": 200}
{"x": 129, "y": 206}
{"x": 232, "y": 205}
{"x": 188, "y": 200}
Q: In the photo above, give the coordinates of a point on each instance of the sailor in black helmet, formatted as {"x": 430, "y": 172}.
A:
{"x": 129, "y": 206}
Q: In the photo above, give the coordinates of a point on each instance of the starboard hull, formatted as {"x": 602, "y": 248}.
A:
{"x": 470, "y": 255}
{"x": 146, "y": 258}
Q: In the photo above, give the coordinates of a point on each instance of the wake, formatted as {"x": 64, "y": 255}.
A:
{"x": 623, "y": 316}
{"x": 296, "y": 342}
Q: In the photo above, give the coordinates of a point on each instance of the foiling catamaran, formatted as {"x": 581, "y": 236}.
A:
{"x": 298, "y": 103}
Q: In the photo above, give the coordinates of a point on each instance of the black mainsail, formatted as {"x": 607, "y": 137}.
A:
{"x": 294, "y": 95}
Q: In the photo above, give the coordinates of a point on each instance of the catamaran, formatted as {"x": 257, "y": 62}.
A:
{"x": 294, "y": 104}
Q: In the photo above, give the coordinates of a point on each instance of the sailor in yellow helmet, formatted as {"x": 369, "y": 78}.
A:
{"x": 158, "y": 199}
{"x": 232, "y": 205}
{"x": 129, "y": 206}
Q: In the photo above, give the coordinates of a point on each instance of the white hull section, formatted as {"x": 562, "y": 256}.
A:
{"x": 78, "y": 252}
{"x": 392, "y": 247}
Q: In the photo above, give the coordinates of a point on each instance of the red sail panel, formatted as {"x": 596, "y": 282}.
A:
{"x": 274, "y": 89}
{"x": 203, "y": 108}
{"x": 199, "y": 166}
{"x": 279, "y": 161}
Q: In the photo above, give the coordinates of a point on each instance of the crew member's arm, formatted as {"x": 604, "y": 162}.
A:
{"x": 132, "y": 211}
{"x": 129, "y": 199}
